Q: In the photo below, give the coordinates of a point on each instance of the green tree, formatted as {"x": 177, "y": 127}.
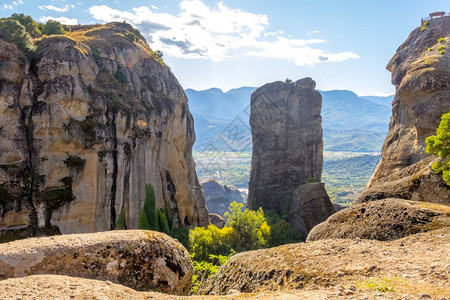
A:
{"x": 30, "y": 25}
{"x": 120, "y": 222}
{"x": 14, "y": 32}
{"x": 148, "y": 219}
{"x": 164, "y": 220}
{"x": 53, "y": 27}
{"x": 252, "y": 227}
{"x": 439, "y": 145}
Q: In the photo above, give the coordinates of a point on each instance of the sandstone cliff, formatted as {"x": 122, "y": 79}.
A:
{"x": 287, "y": 146}
{"x": 85, "y": 124}
{"x": 421, "y": 75}
{"x": 218, "y": 197}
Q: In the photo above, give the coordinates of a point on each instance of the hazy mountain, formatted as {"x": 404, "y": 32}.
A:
{"x": 350, "y": 122}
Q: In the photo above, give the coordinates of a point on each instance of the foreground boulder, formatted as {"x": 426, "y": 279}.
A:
{"x": 416, "y": 265}
{"x": 85, "y": 124}
{"x": 384, "y": 220}
{"x": 421, "y": 75}
{"x": 142, "y": 260}
{"x": 287, "y": 145}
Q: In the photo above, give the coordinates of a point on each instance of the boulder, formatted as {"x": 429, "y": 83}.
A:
{"x": 404, "y": 265}
{"x": 421, "y": 75}
{"x": 217, "y": 220}
{"x": 218, "y": 197}
{"x": 310, "y": 206}
{"x": 384, "y": 220}
{"x": 142, "y": 260}
{"x": 85, "y": 129}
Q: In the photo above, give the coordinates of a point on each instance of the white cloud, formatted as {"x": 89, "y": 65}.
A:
{"x": 8, "y": 6}
{"x": 155, "y": 7}
{"x": 201, "y": 31}
{"x": 313, "y": 32}
{"x": 62, "y": 20}
{"x": 54, "y": 8}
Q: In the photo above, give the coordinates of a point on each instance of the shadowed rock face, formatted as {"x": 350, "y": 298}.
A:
{"x": 85, "y": 125}
{"x": 218, "y": 197}
{"x": 287, "y": 142}
{"x": 421, "y": 75}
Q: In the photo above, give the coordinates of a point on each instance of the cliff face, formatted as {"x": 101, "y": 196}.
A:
{"x": 287, "y": 149}
{"x": 85, "y": 125}
{"x": 218, "y": 197}
{"x": 421, "y": 75}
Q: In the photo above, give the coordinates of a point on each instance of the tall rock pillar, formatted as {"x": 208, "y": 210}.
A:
{"x": 287, "y": 145}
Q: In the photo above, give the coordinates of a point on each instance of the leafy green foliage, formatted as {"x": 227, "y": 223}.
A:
{"x": 441, "y": 40}
{"x": 14, "y": 32}
{"x": 120, "y": 222}
{"x": 287, "y": 80}
{"x": 212, "y": 240}
{"x": 163, "y": 220}
{"x": 439, "y": 145}
{"x": 119, "y": 75}
{"x": 206, "y": 269}
{"x": 252, "y": 227}
{"x": 424, "y": 26}
{"x": 281, "y": 232}
{"x": 131, "y": 36}
{"x": 30, "y": 25}
{"x": 148, "y": 219}
{"x": 53, "y": 27}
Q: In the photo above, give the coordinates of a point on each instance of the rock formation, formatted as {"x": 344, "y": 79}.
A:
{"x": 85, "y": 124}
{"x": 421, "y": 75}
{"x": 287, "y": 147}
{"x": 414, "y": 265}
{"x": 310, "y": 204}
{"x": 384, "y": 220}
{"x": 142, "y": 260}
{"x": 218, "y": 197}
{"x": 217, "y": 220}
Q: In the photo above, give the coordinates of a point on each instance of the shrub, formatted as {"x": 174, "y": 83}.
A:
{"x": 131, "y": 36}
{"x": 287, "y": 80}
{"x": 281, "y": 232}
{"x": 205, "y": 269}
{"x": 14, "y": 32}
{"x": 119, "y": 75}
{"x": 30, "y": 25}
{"x": 53, "y": 27}
{"x": 120, "y": 222}
{"x": 251, "y": 226}
{"x": 441, "y": 40}
{"x": 163, "y": 220}
{"x": 439, "y": 145}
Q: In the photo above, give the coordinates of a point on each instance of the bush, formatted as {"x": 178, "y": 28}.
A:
{"x": 53, "y": 27}
{"x": 120, "y": 222}
{"x": 14, "y": 32}
{"x": 119, "y": 75}
{"x": 439, "y": 145}
{"x": 30, "y": 25}
{"x": 251, "y": 226}
{"x": 281, "y": 232}
{"x": 131, "y": 36}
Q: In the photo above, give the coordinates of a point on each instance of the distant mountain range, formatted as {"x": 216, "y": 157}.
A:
{"x": 350, "y": 122}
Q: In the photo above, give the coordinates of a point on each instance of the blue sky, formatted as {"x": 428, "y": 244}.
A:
{"x": 341, "y": 44}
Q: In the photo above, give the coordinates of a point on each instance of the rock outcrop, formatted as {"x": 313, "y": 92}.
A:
{"x": 414, "y": 265}
{"x": 310, "y": 205}
{"x": 218, "y": 197}
{"x": 142, "y": 260}
{"x": 85, "y": 124}
{"x": 384, "y": 220}
{"x": 217, "y": 220}
{"x": 421, "y": 75}
{"x": 287, "y": 147}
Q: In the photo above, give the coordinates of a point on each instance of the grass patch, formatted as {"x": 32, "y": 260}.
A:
{"x": 381, "y": 284}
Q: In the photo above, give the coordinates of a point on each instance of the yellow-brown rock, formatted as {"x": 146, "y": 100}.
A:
{"x": 85, "y": 124}
{"x": 142, "y": 260}
{"x": 421, "y": 74}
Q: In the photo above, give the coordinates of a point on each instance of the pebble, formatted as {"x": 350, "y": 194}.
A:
{"x": 425, "y": 296}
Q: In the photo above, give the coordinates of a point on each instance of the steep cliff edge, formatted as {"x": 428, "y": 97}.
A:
{"x": 421, "y": 74}
{"x": 288, "y": 152}
{"x": 85, "y": 124}
{"x": 218, "y": 197}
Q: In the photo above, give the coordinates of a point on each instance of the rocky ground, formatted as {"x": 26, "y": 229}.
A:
{"x": 414, "y": 267}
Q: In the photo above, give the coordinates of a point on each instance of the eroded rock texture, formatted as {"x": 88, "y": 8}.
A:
{"x": 383, "y": 220}
{"x": 287, "y": 145}
{"x": 142, "y": 260}
{"x": 421, "y": 75}
{"x": 85, "y": 125}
